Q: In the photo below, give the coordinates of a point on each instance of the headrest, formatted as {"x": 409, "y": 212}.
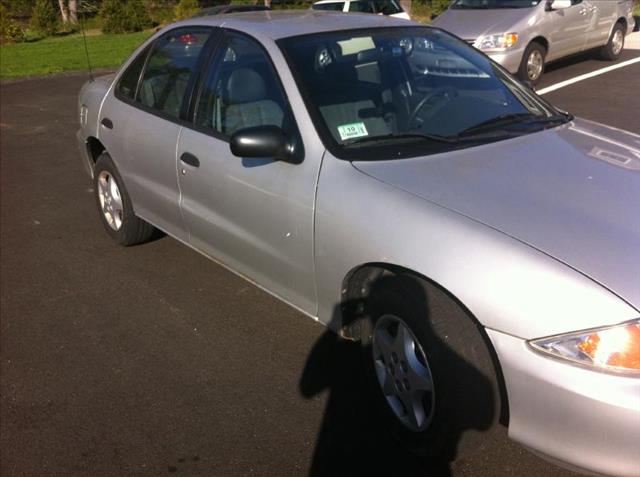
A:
{"x": 245, "y": 86}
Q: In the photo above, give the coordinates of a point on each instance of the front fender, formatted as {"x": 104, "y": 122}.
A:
{"x": 507, "y": 285}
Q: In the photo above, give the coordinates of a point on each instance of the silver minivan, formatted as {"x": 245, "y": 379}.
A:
{"x": 524, "y": 35}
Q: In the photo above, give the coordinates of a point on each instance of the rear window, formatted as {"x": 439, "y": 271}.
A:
{"x": 169, "y": 69}
{"x": 329, "y": 7}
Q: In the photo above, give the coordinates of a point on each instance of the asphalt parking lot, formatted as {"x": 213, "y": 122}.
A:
{"x": 152, "y": 360}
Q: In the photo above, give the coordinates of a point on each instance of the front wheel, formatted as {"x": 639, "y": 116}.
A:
{"x": 532, "y": 64}
{"x": 611, "y": 51}
{"x": 114, "y": 205}
{"x": 431, "y": 369}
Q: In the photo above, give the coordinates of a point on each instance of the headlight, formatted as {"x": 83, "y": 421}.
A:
{"x": 496, "y": 42}
{"x": 616, "y": 348}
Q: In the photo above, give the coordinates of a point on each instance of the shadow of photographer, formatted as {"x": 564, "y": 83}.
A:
{"x": 360, "y": 435}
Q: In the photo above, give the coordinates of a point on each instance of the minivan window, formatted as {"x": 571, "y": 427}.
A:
{"x": 402, "y": 91}
{"x": 491, "y": 4}
{"x": 329, "y": 7}
{"x": 362, "y": 6}
{"x": 170, "y": 66}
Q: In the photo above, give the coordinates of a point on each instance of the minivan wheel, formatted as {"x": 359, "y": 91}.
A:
{"x": 429, "y": 368}
{"x": 114, "y": 205}
{"x": 532, "y": 64}
{"x": 611, "y": 51}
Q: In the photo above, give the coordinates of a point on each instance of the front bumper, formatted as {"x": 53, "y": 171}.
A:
{"x": 584, "y": 419}
{"x": 509, "y": 59}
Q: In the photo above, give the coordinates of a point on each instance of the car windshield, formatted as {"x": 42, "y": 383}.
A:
{"x": 407, "y": 91}
{"x": 490, "y": 4}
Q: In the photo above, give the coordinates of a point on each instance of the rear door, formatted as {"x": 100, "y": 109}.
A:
{"x": 567, "y": 29}
{"x": 253, "y": 215}
{"x": 144, "y": 116}
{"x": 604, "y": 14}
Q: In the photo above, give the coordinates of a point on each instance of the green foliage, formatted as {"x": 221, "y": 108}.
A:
{"x": 10, "y": 31}
{"x": 121, "y": 17}
{"x": 44, "y": 17}
{"x": 185, "y": 9}
{"x": 160, "y": 11}
{"x": 18, "y": 8}
{"x": 66, "y": 53}
{"x": 425, "y": 10}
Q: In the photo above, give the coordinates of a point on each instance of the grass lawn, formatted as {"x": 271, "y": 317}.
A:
{"x": 66, "y": 53}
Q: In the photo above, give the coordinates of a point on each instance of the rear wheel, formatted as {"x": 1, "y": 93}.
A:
{"x": 611, "y": 51}
{"x": 114, "y": 205}
{"x": 430, "y": 368}
{"x": 532, "y": 64}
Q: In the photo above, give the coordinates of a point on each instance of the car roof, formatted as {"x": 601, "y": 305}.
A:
{"x": 283, "y": 24}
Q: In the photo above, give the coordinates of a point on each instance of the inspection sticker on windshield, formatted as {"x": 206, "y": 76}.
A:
{"x": 352, "y": 131}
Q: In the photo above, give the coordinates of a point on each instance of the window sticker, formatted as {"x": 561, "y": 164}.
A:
{"x": 352, "y": 131}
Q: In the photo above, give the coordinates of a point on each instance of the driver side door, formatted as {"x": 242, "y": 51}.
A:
{"x": 253, "y": 215}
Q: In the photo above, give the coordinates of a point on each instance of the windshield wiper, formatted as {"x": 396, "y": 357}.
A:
{"x": 396, "y": 136}
{"x": 508, "y": 119}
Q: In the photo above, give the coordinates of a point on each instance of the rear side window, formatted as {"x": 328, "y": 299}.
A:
{"x": 330, "y": 7}
{"x": 171, "y": 65}
{"x": 129, "y": 81}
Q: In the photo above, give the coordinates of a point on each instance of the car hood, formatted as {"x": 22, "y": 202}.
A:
{"x": 572, "y": 192}
{"x": 470, "y": 24}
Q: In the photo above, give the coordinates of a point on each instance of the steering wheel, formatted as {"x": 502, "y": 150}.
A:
{"x": 448, "y": 91}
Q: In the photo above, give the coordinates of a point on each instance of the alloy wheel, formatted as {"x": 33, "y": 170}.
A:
{"x": 617, "y": 42}
{"x": 535, "y": 63}
{"x": 403, "y": 373}
{"x": 110, "y": 200}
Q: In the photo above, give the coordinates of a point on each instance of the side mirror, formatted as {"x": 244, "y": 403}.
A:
{"x": 558, "y": 4}
{"x": 262, "y": 141}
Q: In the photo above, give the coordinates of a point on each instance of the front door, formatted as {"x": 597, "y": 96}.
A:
{"x": 253, "y": 215}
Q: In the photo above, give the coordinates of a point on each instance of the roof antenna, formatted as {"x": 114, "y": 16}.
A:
{"x": 83, "y": 12}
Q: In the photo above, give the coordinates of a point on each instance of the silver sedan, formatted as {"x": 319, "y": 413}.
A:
{"x": 395, "y": 184}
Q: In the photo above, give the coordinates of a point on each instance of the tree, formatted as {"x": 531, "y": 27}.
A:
{"x": 68, "y": 11}
{"x": 44, "y": 18}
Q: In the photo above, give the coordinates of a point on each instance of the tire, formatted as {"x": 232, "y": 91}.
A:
{"x": 114, "y": 205}
{"x": 465, "y": 402}
{"x": 533, "y": 63}
{"x": 612, "y": 50}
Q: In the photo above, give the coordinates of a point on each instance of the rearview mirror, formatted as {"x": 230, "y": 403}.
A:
{"x": 558, "y": 4}
{"x": 262, "y": 142}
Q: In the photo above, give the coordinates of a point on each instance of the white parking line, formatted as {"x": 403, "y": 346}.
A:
{"x": 583, "y": 77}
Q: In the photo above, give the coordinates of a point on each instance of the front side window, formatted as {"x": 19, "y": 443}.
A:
{"x": 406, "y": 91}
{"x": 329, "y": 7}
{"x": 171, "y": 64}
{"x": 240, "y": 90}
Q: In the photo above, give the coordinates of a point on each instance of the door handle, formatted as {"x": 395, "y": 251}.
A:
{"x": 190, "y": 159}
{"x": 107, "y": 123}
